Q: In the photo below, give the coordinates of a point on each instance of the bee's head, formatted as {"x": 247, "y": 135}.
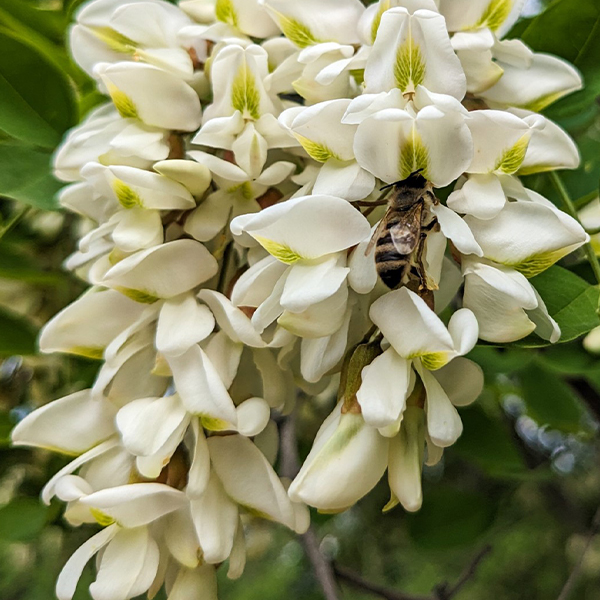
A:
{"x": 414, "y": 180}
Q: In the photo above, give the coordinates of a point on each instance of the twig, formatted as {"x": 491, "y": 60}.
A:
{"x": 378, "y": 590}
{"x": 324, "y": 571}
{"x": 14, "y": 220}
{"x": 446, "y": 593}
{"x": 576, "y": 572}
{"x": 585, "y": 200}
{"x": 440, "y": 592}
{"x": 289, "y": 461}
{"x": 289, "y": 467}
{"x": 321, "y": 566}
{"x": 570, "y": 208}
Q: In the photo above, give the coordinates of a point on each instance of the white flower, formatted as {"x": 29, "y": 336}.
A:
{"x": 473, "y": 15}
{"x": 347, "y": 459}
{"x": 412, "y": 50}
{"x": 106, "y": 136}
{"x": 506, "y": 305}
{"x": 528, "y": 236}
{"x": 395, "y": 138}
{"x": 153, "y": 96}
{"x": 146, "y": 30}
{"x": 130, "y": 560}
{"x": 418, "y": 340}
{"x": 162, "y": 272}
{"x": 88, "y": 325}
{"x": 247, "y": 16}
{"x": 508, "y": 143}
{"x": 308, "y": 237}
{"x": 312, "y": 22}
{"x": 72, "y": 425}
{"x": 328, "y": 140}
{"x": 237, "y": 77}
{"x": 530, "y": 80}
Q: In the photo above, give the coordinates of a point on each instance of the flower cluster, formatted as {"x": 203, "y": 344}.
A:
{"x": 231, "y": 191}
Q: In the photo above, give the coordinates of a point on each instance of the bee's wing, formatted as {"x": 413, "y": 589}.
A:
{"x": 405, "y": 234}
{"x": 377, "y": 232}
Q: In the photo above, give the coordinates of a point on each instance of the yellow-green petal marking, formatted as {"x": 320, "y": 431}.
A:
{"x": 316, "y": 150}
{"x": 414, "y": 156}
{"x": 245, "y": 96}
{"x": 281, "y": 252}
{"x": 226, "y": 13}
{"x": 513, "y": 158}
{"x": 409, "y": 70}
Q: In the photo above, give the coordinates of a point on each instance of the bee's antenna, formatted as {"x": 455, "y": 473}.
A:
{"x": 387, "y": 187}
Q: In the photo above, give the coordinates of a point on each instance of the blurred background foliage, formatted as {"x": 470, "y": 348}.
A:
{"x": 524, "y": 478}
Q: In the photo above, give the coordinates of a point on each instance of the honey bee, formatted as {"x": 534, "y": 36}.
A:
{"x": 399, "y": 239}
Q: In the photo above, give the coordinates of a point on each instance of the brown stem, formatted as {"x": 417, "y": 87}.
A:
{"x": 576, "y": 572}
{"x": 441, "y": 592}
{"x": 378, "y": 590}
{"x": 321, "y": 566}
{"x": 289, "y": 465}
{"x": 445, "y": 592}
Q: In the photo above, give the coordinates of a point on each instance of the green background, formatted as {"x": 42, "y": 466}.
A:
{"x": 524, "y": 477}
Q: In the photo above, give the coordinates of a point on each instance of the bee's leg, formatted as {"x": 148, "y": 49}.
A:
{"x": 368, "y": 203}
{"x": 373, "y": 203}
{"x": 419, "y": 264}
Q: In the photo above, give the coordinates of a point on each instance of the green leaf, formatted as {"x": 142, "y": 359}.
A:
{"x": 26, "y": 176}
{"x": 549, "y": 399}
{"x": 500, "y": 360}
{"x": 17, "y": 266}
{"x": 6, "y": 426}
{"x": 571, "y": 302}
{"x": 569, "y": 359}
{"x": 488, "y": 443}
{"x": 18, "y": 335}
{"x": 569, "y": 29}
{"x": 450, "y": 517}
{"x": 50, "y": 23}
{"x": 22, "y": 520}
{"x": 37, "y": 102}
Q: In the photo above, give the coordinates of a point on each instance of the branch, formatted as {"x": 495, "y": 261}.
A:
{"x": 440, "y": 592}
{"x": 576, "y": 572}
{"x": 289, "y": 467}
{"x": 570, "y": 208}
{"x": 321, "y": 566}
{"x": 14, "y": 220}
{"x": 324, "y": 571}
{"x": 446, "y": 593}
{"x": 378, "y": 590}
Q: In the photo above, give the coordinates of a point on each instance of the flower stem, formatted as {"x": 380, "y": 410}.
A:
{"x": 14, "y": 220}
{"x": 570, "y": 208}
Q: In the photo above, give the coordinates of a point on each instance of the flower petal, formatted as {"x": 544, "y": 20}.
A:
{"x": 136, "y": 504}
{"x": 73, "y": 424}
{"x": 410, "y": 326}
{"x": 71, "y": 572}
{"x": 384, "y": 389}
{"x": 215, "y": 518}
{"x": 443, "y": 421}
{"x": 406, "y": 460}
{"x": 182, "y": 323}
{"x": 162, "y": 272}
{"x": 462, "y": 380}
{"x": 249, "y": 479}
{"x": 456, "y": 230}
{"x": 201, "y": 389}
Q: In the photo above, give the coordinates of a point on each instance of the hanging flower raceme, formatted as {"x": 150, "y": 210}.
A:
{"x": 233, "y": 237}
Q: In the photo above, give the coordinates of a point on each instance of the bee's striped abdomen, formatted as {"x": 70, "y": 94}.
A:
{"x": 391, "y": 265}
